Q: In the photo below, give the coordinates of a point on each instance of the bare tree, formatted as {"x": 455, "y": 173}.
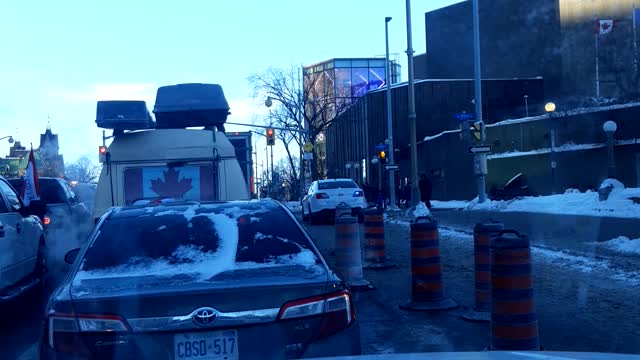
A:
{"x": 306, "y": 105}
{"x": 82, "y": 171}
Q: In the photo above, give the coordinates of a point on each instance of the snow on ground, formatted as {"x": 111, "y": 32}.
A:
{"x": 585, "y": 264}
{"x": 570, "y": 203}
{"x": 292, "y": 205}
{"x": 622, "y": 244}
{"x": 576, "y": 262}
{"x": 452, "y": 204}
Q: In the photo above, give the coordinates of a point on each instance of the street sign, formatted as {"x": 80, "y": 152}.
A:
{"x": 463, "y": 116}
{"x": 381, "y": 147}
{"x": 308, "y": 147}
{"x": 480, "y": 149}
{"x": 308, "y": 156}
{"x": 392, "y": 167}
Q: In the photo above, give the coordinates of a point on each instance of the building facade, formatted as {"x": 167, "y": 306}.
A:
{"x": 342, "y": 81}
{"x": 553, "y": 39}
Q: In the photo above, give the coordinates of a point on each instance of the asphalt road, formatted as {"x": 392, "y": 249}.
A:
{"x": 583, "y": 303}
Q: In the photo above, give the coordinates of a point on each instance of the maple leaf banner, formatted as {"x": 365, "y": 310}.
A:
{"x": 184, "y": 183}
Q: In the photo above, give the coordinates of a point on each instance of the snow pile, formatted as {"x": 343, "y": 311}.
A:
{"x": 613, "y": 183}
{"x": 623, "y": 244}
{"x": 421, "y": 211}
{"x": 619, "y": 204}
{"x": 451, "y": 204}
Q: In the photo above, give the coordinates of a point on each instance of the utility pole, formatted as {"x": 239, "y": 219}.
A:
{"x": 389, "y": 76}
{"x": 415, "y": 193}
{"x": 480, "y": 160}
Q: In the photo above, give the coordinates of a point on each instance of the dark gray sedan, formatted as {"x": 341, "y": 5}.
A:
{"x": 232, "y": 280}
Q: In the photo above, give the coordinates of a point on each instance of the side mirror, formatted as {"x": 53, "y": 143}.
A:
{"x": 71, "y": 256}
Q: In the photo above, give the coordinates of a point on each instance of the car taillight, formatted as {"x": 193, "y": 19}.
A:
{"x": 358, "y": 193}
{"x": 64, "y": 330}
{"x": 46, "y": 220}
{"x": 322, "y": 196}
{"x": 336, "y": 310}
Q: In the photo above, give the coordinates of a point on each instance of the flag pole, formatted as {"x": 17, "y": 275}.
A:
{"x": 635, "y": 39}
{"x": 597, "y": 67}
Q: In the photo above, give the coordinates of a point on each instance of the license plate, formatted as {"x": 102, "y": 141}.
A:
{"x": 213, "y": 345}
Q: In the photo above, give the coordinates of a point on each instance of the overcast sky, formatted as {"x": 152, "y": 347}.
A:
{"x": 60, "y": 57}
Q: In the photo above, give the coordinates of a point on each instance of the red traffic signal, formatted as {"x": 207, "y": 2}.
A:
{"x": 271, "y": 137}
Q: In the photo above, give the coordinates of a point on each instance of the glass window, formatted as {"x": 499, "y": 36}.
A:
{"x": 340, "y": 184}
{"x": 189, "y": 182}
{"x": 360, "y": 63}
{"x": 376, "y": 63}
{"x": 376, "y": 78}
{"x": 343, "y": 63}
{"x": 178, "y": 240}
{"x": 359, "y": 81}
{"x": 51, "y": 192}
{"x": 11, "y": 195}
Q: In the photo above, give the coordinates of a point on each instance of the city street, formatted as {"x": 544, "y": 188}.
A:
{"x": 584, "y": 303}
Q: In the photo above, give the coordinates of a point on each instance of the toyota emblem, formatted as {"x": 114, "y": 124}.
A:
{"x": 204, "y": 316}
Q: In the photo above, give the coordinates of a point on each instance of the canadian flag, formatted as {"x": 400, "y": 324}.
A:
{"x": 605, "y": 26}
{"x": 31, "y": 188}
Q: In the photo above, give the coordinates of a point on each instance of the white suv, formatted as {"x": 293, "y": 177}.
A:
{"x": 324, "y": 196}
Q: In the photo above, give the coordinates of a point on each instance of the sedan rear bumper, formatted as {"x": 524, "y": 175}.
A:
{"x": 344, "y": 343}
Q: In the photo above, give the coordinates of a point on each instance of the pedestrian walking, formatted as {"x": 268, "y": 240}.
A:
{"x": 426, "y": 188}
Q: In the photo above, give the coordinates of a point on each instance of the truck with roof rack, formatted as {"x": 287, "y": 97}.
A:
{"x": 183, "y": 155}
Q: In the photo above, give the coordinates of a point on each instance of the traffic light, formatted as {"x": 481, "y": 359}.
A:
{"x": 382, "y": 155}
{"x": 271, "y": 137}
{"x": 478, "y": 128}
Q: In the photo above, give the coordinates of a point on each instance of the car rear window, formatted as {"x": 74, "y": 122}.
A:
{"x": 51, "y": 191}
{"x": 341, "y": 184}
{"x": 199, "y": 240}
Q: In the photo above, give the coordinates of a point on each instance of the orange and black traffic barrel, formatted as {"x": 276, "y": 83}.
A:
{"x": 374, "y": 247}
{"x": 348, "y": 252}
{"x": 482, "y": 234}
{"x": 427, "y": 293}
{"x": 514, "y": 325}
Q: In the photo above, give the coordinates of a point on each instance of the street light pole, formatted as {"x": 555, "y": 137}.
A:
{"x": 389, "y": 76}
{"x": 481, "y": 159}
{"x": 415, "y": 195}
{"x": 610, "y": 127}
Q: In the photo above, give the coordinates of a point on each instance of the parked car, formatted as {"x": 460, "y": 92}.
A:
{"x": 201, "y": 281}
{"x": 86, "y": 194}
{"x": 323, "y": 197}
{"x": 64, "y": 209}
{"x": 22, "y": 242}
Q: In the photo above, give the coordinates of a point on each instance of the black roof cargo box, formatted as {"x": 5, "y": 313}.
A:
{"x": 123, "y": 115}
{"x": 187, "y": 105}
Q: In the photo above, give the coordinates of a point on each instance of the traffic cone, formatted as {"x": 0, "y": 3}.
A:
{"x": 349, "y": 253}
{"x": 514, "y": 324}
{"x": 482, "y": 234}
{"x": 427, "y": 292}
{"x": 374, "y": 248}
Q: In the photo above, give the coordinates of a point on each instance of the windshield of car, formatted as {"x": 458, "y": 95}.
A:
{"x": 339, "y": 184}
{"x": 201, "y": 241}
{"x": 402, "y": 137}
